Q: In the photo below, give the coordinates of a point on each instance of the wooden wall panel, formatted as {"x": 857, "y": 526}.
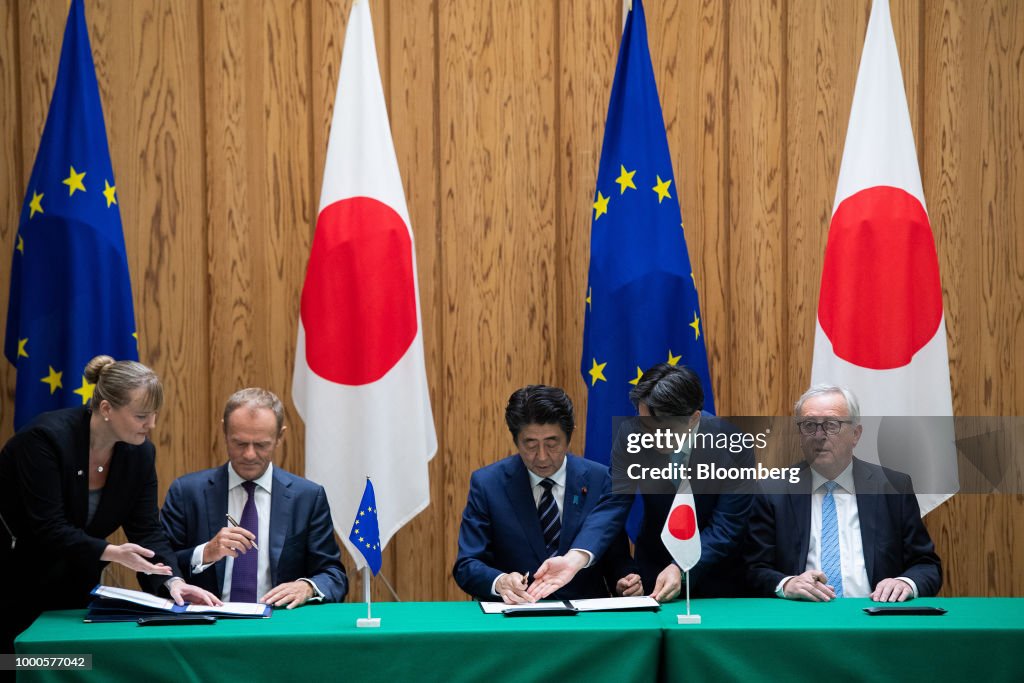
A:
{"x": 497, "y": 105}
{"x": 12, "y": 163}
{"x": 218, "y": 115}
{"x": 259, "y": 168}
{"x": 758, "y": 256}
{"x": 421, "y": 554}
{"x": 824, "y": 45}
{"x": 973, "y": 121}
{"x": 587, "y": 49}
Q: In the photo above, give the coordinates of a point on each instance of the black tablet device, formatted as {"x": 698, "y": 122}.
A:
{"x": 915, "y": 610}
{"x": 554, "y": 610}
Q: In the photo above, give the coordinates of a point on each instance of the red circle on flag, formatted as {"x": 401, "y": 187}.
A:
{"x": 682, "y": 522}
{"x": 881, "y": 298}
{"x": 359, "y": 299}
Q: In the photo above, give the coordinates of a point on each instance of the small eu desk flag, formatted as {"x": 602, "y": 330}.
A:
{"x": 641, "y": 299}
{"x": 70, "y": 295}
{"x": 365, "y": 535}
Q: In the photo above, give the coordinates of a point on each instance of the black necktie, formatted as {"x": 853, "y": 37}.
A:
{"x": 547, "y": 510}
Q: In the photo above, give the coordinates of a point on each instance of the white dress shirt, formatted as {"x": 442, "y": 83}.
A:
{"x": 237, "y": 498}
{"x": 558, "y": 490}
{"x": 851, "y": 544}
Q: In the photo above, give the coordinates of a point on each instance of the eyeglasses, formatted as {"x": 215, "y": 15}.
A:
{"x": 828, "y": 427}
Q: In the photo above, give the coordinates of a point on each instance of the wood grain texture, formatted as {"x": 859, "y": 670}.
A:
{"x": 218, "y": 114}
{"x": 757, "y": 166}
{"x": 825, "y": 41}
{"x": 421, "y": 553}
{"x": 974, "y": 127}
{"x": 587, "y": 49}
{"x": 497, "y": 100}
{"x": 12, "y": 173}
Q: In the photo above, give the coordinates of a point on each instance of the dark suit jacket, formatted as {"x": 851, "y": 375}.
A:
{"x": 44, "y": 495}
{"x": 896, "y": 542}
{"x": 501, "y": 532}
{"x": 302, "y": 543}
{"x": 723, "y": 510}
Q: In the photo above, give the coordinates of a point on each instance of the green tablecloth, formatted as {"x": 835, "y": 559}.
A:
{"x": 449, "y": 642}
{"x": 979, "y": 639}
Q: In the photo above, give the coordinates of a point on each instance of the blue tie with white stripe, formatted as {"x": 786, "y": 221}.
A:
{"x": 547, "y": 510}
{"x": 831, "y": 562}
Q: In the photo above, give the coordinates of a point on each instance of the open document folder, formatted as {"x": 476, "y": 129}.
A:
{"x": 121, "y": 604}
{"x": 642, "y": 602}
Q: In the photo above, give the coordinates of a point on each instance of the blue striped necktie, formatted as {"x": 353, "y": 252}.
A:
{"x": 547, "y": 510}
{"x": 831, "y": 562}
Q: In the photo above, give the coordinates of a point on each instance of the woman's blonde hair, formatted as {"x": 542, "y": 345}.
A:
{"x": 116, "y": 380}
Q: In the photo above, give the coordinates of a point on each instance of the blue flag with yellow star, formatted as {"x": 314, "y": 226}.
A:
{"x": 365, "y": 534}
{"x": 70, "y": 297}
{"x": 641, "y": 300}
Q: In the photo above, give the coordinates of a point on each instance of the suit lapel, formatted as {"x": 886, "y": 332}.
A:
{"x": 800, "y": 505}
{"x": 281, "y": 504}
{"x": 575, "y": 481}
{"x": 216, "y": 511}
{"x": 520, "y": 496}
{"x": 868, "y": 509}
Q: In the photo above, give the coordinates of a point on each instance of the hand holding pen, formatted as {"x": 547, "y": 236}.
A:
{"x": 511, "y": 588}
{"x": 231, "y": 541}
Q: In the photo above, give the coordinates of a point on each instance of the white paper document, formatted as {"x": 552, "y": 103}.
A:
{"x": 589, "y": 605}
{"x": 613, "y": 604}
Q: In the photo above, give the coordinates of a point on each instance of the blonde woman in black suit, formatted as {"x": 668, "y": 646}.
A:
{"x": 71, "y": 478}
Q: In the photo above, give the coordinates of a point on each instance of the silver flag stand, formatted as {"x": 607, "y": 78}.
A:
{"x": 374, "y": 622}
{"x": 688, "y": 618}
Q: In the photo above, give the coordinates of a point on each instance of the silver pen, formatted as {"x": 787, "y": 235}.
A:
{"x": 235, "y": 523}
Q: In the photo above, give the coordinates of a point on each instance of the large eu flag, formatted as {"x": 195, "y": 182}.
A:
{"x": 641, "y": 300}
{"x": 70, "y": 296}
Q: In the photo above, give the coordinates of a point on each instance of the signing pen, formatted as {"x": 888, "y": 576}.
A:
{"x": 234, "y": 523}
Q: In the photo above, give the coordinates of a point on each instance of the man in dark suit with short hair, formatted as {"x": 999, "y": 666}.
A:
{"x": 672, "y": 393}
{"x": 282, "y": 551}
{"x": 848, "y": 528}
{"x": 530, "y": 506}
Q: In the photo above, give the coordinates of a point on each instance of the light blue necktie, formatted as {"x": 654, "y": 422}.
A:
{"x": 831, "y": 563}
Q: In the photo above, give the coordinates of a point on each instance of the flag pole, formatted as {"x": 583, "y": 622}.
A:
{"x": 688, "y": 618}
{"x": 369, "y": 621}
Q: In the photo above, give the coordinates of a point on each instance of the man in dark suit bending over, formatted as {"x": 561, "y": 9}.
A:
{"x": 283, "y": 552}
{"x": 530, "y": 506}
{"x": 849, "y": 528}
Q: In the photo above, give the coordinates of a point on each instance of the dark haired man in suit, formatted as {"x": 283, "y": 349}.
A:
{"x": 530, "y": 506}
{"x": 674, "y": 392}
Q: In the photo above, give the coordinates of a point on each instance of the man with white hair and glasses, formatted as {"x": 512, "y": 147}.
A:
{"x": 849, "y": 528}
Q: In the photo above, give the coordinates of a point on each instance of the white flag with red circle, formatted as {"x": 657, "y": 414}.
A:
{"x": 880, "y": 327}
{"x": 681, "y": 535}
{"x": 360, "y": 379}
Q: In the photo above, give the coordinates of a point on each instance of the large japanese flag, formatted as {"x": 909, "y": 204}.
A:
{"x": 880, "y": 329}
{"x": 360, "y": 383}
{"x": 680, "y": 533}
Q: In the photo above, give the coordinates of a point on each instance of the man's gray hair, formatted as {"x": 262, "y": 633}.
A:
{"x": 852, "y": 405}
